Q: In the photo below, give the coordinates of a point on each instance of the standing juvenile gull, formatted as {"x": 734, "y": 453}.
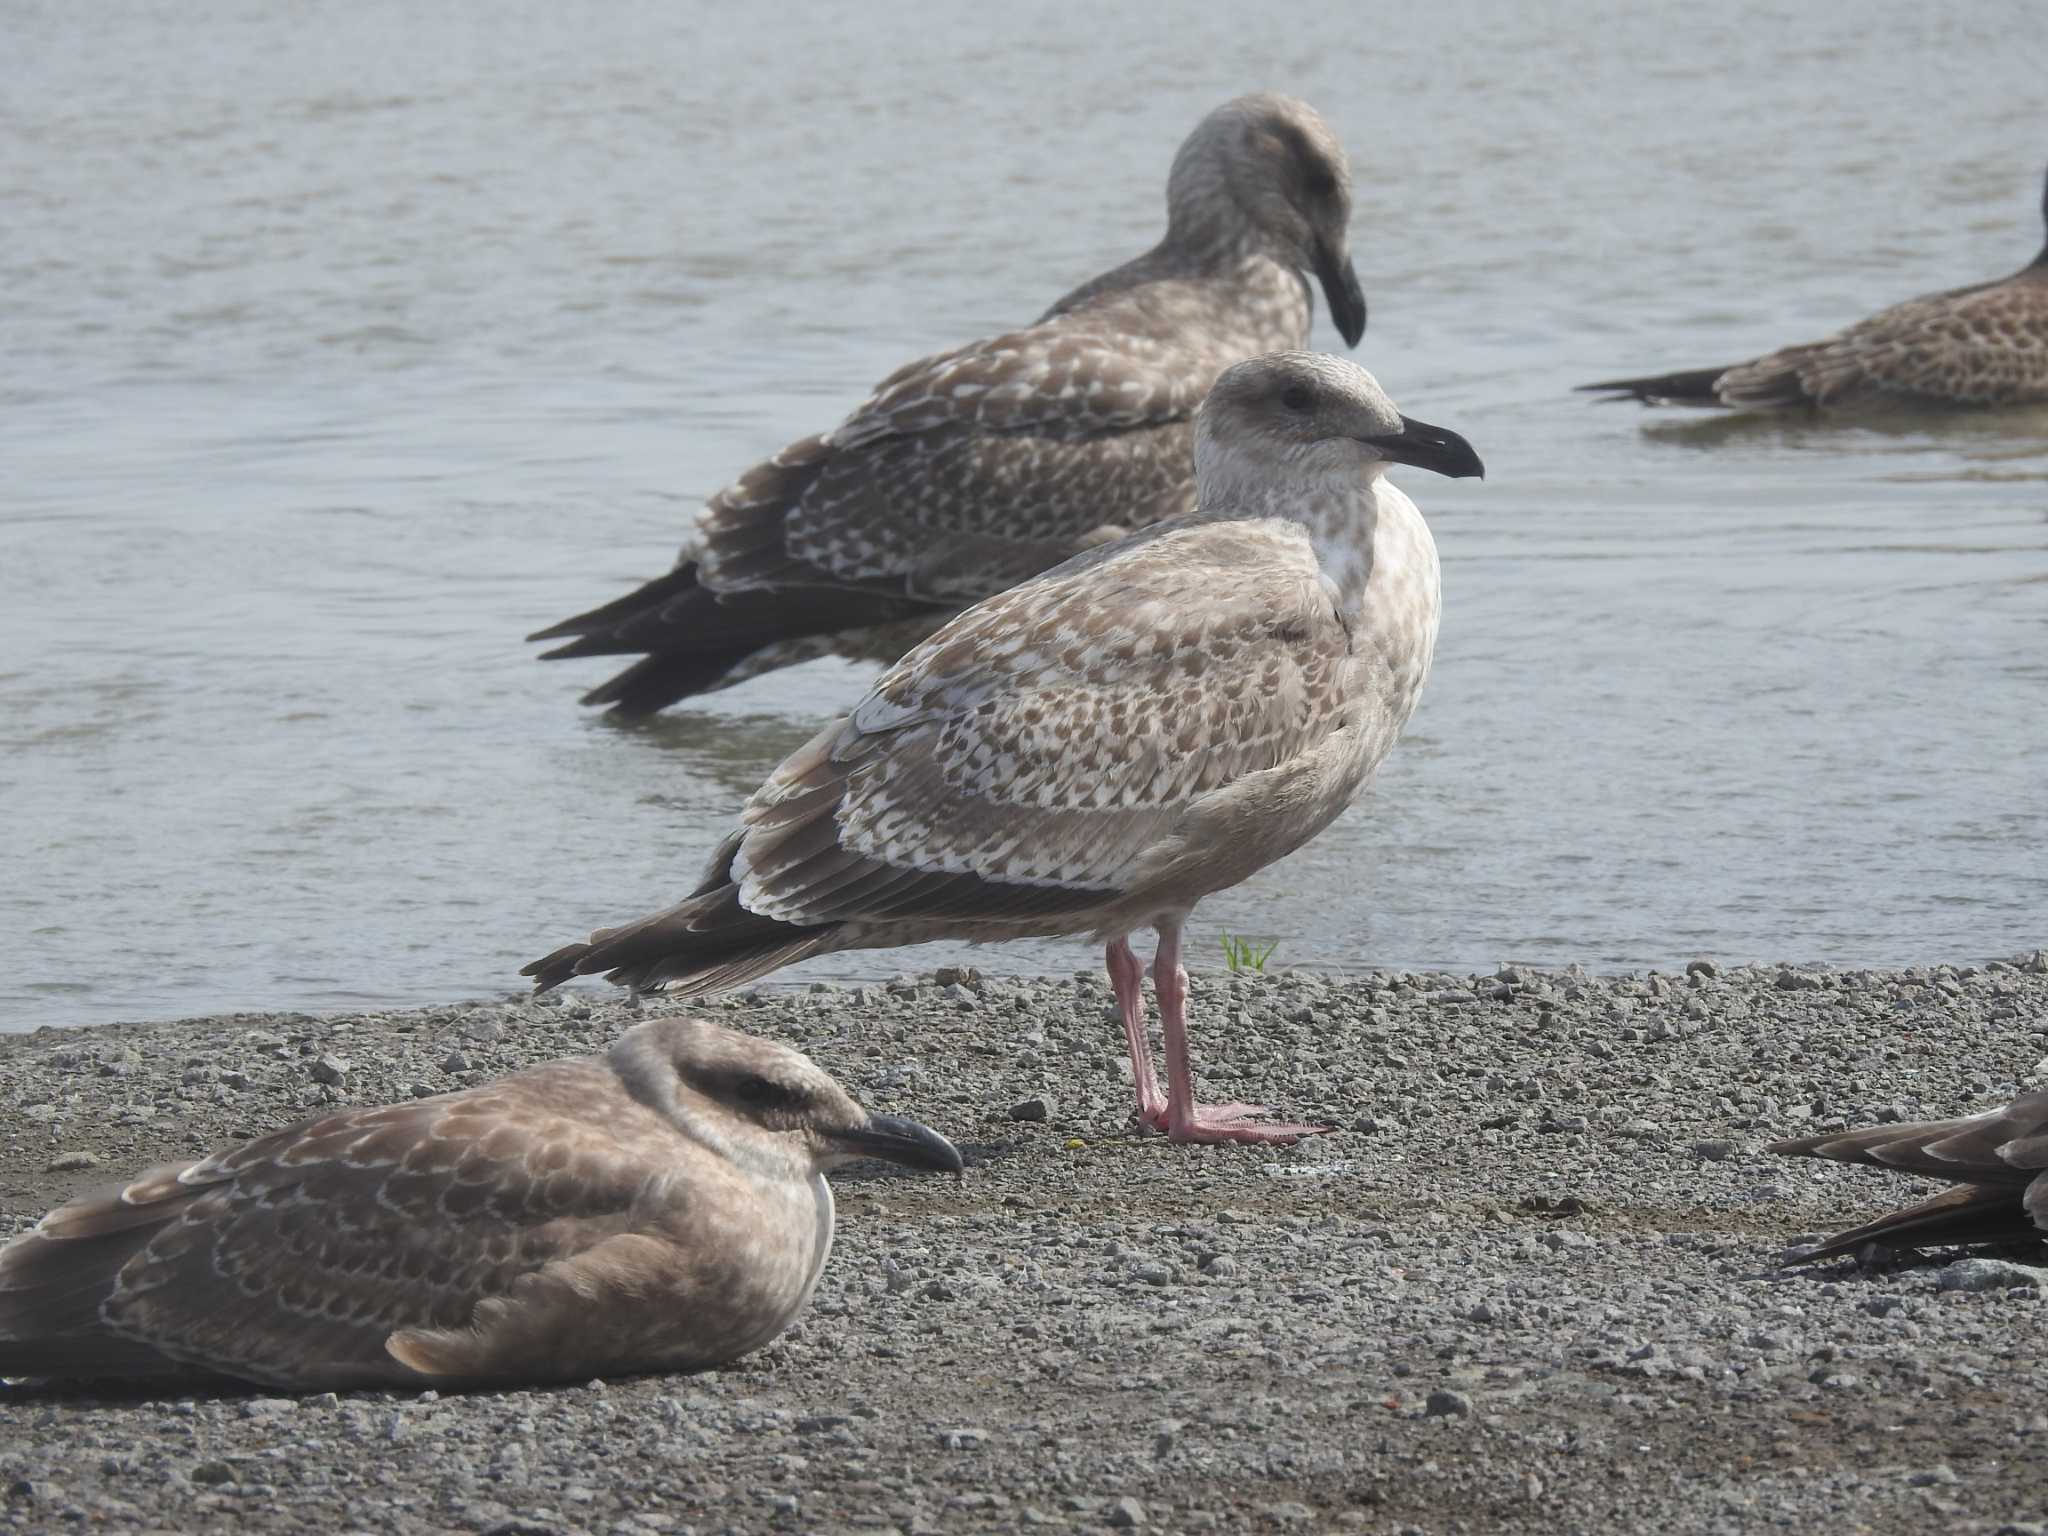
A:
{"x": 1982, "y": 345}
{"x": 1095, "y": 751}
{"x": 660, "y": 1207}
{"x": 1998, "y": 1162}
{"x": 966, "y": 472}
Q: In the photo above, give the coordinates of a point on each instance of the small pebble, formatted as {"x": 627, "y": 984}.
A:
{"x": 328, "y": 1069}
{"x": 1126, "y": 1514}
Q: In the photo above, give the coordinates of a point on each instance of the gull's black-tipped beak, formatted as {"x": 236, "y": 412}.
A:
{"x": 1432, "y": 448}
{"x": 902, "y": 1141}
{"x": 1340, "y": 289}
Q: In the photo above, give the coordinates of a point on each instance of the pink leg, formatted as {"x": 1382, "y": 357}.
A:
{"x": 1185, "y": 1119}
{"x": 1127, "y": 978}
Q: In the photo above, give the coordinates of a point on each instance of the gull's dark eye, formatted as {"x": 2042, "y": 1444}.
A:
{"x": 1297, "y": 397}
{"x": 759, "y": 1093}
{"x": 1319, "y": 182}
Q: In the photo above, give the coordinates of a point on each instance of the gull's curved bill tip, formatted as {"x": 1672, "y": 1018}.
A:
{"x": 1339, "y": 278}
{"x": 1437, "y": 449}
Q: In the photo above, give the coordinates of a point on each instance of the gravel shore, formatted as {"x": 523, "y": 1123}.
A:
{"x": 1533, "y": 1283}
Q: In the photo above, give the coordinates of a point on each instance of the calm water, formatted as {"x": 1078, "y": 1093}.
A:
{"x": 340, "y": 346}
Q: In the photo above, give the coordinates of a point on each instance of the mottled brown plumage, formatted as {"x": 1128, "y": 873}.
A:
{"x": 966, "y": 472}
{"x": 1097, "y": 749}
{"x": 660, "y": 1207}
{"x": 1997, "y": 1161}
{"x": 1983, "y": 345}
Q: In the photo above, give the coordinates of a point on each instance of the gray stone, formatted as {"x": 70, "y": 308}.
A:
{"x": 1126, "y": 1514}
{"x": 1037, "y": 1109}
{"x": 70, "y": 1162}
{"x": 1988, "y": 1275}
{"x": 1443, "y": 1402}
{"x": 329, "y": 1069}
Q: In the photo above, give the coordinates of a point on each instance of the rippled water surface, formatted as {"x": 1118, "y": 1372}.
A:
{"x": 340, "y": 346}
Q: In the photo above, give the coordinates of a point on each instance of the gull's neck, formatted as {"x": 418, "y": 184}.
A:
{"x": 1213, "y": 246}
{"x": 1373, "y": 548}
{"x": 1341, "y": 511}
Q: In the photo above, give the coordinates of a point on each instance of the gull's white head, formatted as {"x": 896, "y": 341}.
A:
{"x": 1266, "y": 171}
{"x": 1290, "y": 416}
{"x": 763, "y": 1105}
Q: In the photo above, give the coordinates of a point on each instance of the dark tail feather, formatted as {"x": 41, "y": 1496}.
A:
{"x": 705, "y": 944}
{"x": 1694, "y": 386}
{"x": 653, "y": 683}
{"x": 1992, "y": 1159}
{"x": 52, "y": 1287}
{"x": 606, "y": 619}
{"x": 87, "y": 1357}
{"x": 691, "y": 638}
{"x": 1992, "y": 1148}
{"x": 1969, "y": 1213}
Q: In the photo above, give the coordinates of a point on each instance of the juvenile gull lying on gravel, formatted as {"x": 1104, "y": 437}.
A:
{"x": 1997, "y": 1160}
{"x": 1982, "y": 345}
{"x": 1098, "y": 749}
{"x": 660, "y": 1207}
{"x": 966, "y": 472}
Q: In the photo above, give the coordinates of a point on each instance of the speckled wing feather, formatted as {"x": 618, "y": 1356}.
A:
{"x": 963, "y": 475}
{"x": 1050, "y": 740}
{"x": 1066, "y": 375}
{"x": 971, "y": 470}
{"x": 1999, "y": 1160}
{"x": 315, "y": 1244}
{"x": 1984, "y": 345}
{"x": 968, "y": 471}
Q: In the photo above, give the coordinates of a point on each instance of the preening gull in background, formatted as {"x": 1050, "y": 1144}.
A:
{"x": 1983, "y": 345}
{"x": 1096, "y": 750}
{"x": 1998, "y": 1162}
{"x": 966, "y": 472}
{"x": 660, "y": 1207}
